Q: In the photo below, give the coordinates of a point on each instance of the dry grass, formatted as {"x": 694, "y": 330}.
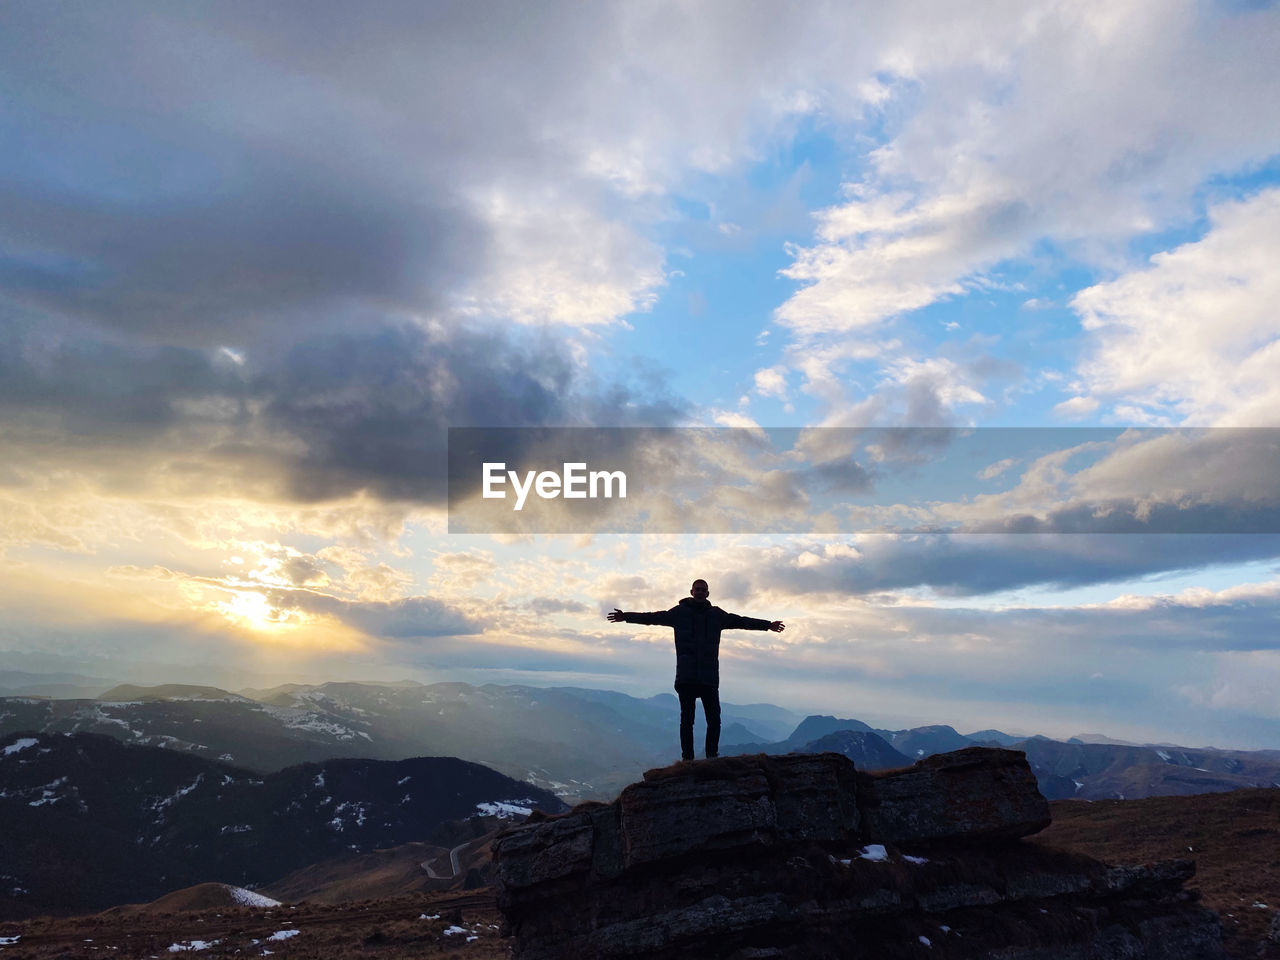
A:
{"x": 386, "y": 929}
{"x": 1234, "y": 839}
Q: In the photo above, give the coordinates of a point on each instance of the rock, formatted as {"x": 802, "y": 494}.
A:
{"x": 663, "y": 818}
{"x": 802, "y": 857}
{"x": 978, "y": 794}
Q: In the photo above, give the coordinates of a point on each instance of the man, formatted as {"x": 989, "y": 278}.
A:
{"x": 697, "y": 625}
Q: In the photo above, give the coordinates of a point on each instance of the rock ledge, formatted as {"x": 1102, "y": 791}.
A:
{"x": 802, "y": 856}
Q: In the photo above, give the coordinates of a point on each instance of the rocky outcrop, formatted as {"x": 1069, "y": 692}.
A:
{"x": 802, "y": 856}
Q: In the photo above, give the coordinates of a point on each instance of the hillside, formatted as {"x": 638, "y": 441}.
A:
{"x": 90, "y": 823}
{"x": 1234, "y": 839}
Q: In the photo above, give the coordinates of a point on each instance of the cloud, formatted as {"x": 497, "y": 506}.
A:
{"x": 548, "y": 605}
{"x": 408, "y": 618}
{"x": 1083, "y": 125}
{"x": 976, "y": 564}
{"x": 363, "y": 410}
{"x": 1076, "y": 408}
{"x": 1194, "y": 335}
{"x": 771, "y": 382}
{"x": 994, "y": 470}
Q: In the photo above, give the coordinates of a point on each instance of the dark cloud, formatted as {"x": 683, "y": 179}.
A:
{"x": 216, "y": 266}
{"x": 406, "y": 619}
{"x": 546, "y": 605}
{"x": 361, "y": 410}
{"x": 1236, "y": 516}
{"x": 969, "y": 564}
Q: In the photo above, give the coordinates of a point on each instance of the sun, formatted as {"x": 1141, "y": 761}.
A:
{"x": 251, "y": 609}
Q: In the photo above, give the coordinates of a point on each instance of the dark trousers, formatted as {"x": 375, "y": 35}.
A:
{"x": 689, "y": 694}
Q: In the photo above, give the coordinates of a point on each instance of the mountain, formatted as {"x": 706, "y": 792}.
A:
{"x": 90, "y": 822}
{"x": 1097, "y": 771}
{"x": 994, "y": 736}
{"x": 926, "y": 741}
{"x": 21, "y": 683}
{"x": 125, "y": 692}
{"x": 735, "y": 733}
{"x": 582, "y": 744}
{"x": 867, "y": 750}
{"x": 912, "y": 744}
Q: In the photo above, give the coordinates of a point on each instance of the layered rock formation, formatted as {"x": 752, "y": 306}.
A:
{"x": 802, "y": 856}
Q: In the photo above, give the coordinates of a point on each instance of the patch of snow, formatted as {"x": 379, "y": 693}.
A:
{"x": 50, "y": 793}
{"x": 910, "y": 859}
{"x": 247, "y": 897}
{"x": 450, "y": 931}
{"x": 226, "y": 756}
{"x": 503, "y": 809}
{"x": 9, "y": 941}
{"x": 402, "y": 781}
{"x": 337, "y": 823}
{"x": 434, "y": 916}
{"x": 1260, "y": 905}
{"x": 20, "y": 744}
{"x": 191, "y": 945}
{"x": 944, "y": 928}
{"x": 925, "y": 940}
{"x": 181, "y": 792}
{"x": 237, "y": 828}
{"x": 1079, "y": 785}
{"x": 1164, "y": 756}
{"x": 874, "y": 851}
{"x": 284, "y": 934}
{"x": 319, "y": 780}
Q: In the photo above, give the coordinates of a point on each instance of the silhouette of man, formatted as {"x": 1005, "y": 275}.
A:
{"x": 697, "y": 625}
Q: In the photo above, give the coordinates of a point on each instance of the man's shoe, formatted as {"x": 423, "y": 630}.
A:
{"x": 712, "y": 756}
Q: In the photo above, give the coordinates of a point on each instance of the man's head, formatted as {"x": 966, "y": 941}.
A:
{"x": 700, "y": 590}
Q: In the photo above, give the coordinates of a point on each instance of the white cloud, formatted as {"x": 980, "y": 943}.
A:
{"x": 994, "y": 470}
{"x": 1076, "y": 408}
{"x": 1196, "y": 335}
{"x": 558, "y": 262}
{"x": 1084, "y": 123}
{"x": 772, "y": 382}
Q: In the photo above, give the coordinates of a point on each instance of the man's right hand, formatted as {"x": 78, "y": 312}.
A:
{"x": 616, "y": 616}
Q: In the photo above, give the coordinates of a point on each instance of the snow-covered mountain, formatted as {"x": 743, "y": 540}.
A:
{"x": 89, "y": 822}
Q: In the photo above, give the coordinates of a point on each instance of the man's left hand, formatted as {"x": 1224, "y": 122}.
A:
{"x": 777, "y": 626}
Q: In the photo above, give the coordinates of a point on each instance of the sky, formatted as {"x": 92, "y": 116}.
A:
{"x": 255, "y": 261}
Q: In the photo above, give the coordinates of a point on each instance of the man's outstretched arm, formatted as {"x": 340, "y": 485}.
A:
{"x": 658, "y": 618}
{"x": 734, "y": 622}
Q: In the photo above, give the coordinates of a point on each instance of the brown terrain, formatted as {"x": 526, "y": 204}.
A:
{"x": 1233, "y": 837}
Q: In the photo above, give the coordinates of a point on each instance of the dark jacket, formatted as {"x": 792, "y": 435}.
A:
{"x": 697, "y": 625}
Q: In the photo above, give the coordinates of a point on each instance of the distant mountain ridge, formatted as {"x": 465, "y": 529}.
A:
{"x": 867, "y": 750}
{"x": 1104, "y": 769}
{"x": 90, "y": 822}
{"x": 581, "y": 744}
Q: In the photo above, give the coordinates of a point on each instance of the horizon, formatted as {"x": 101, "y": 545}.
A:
{"x": 996, "y": 283}
{"x": 801, "y": 714}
